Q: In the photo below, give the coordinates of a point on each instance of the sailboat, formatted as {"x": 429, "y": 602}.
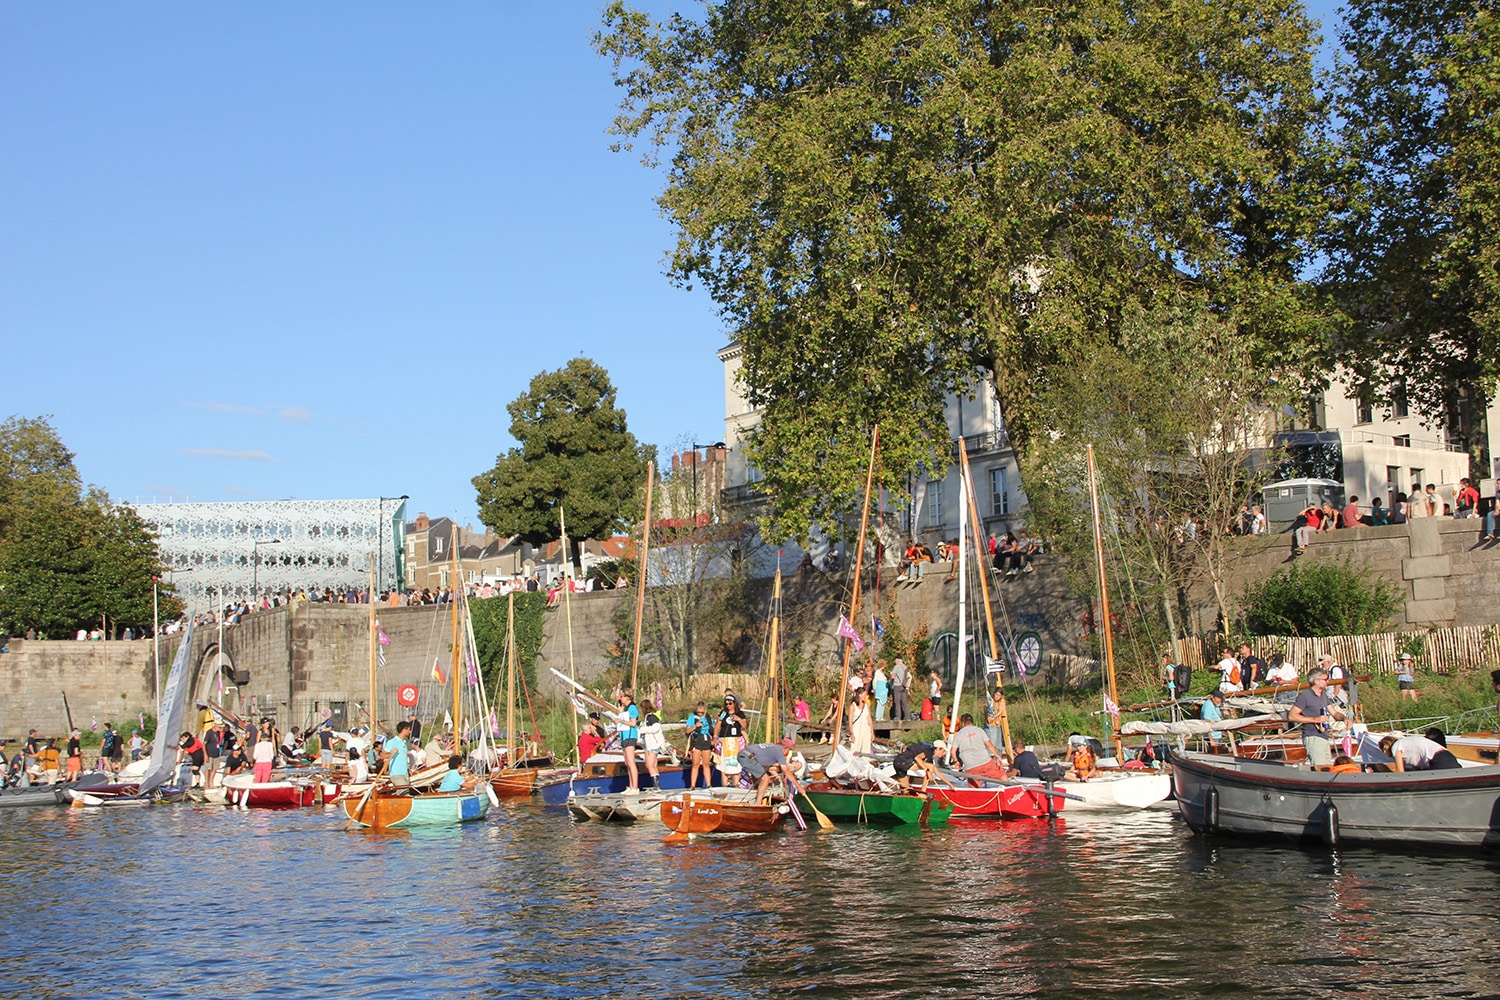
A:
{"x": 1114, "y": 788}
{"x": 854, "y": 791}
{"x": 159, "y": 783}
{"x": 386, "y": 807}
{"x": 518, "y": 777}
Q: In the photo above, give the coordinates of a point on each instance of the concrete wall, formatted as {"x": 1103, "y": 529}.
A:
{"x": 307, "y": 657}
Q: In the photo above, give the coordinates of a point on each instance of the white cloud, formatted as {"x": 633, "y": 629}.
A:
{"x": 244, "y": 456}
{"x": 294, "y": 414}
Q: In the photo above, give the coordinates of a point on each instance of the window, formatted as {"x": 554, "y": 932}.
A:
{"x": 999, "y": 492}
{"x": 1401, "y": 440}
{"x": 935, "y": 503}
{"x": 1418, "y": 477}
{"x": 1365, "y": 413}
{"x": 1399, "y": 407}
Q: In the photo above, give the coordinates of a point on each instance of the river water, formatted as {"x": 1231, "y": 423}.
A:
{"x": 197, "y": 901}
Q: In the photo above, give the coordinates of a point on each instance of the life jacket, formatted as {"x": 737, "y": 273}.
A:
{"x": 1083, "y": 760}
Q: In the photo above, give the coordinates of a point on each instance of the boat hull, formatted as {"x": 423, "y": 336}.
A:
{"x": 609, "y": 778}
{"x": 1114, "y": 790}
{"x": 386, "y": 811}
{"x": 1000, "y": 802}
{"x": 249, "y": 794}
{"x": 1456, "y": 808}
{"x": 517, "y": 782}
{"x": 703, "y": 814}
{"x": 874, "y": 808}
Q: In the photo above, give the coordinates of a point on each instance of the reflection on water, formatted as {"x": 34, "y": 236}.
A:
{"x": 194, "y": 902}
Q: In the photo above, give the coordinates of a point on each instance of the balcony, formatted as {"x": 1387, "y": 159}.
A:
{"x": 744, "y": 493}
{"x": 989, "y": 441}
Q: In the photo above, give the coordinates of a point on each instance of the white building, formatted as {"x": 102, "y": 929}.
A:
{"x": 933, "y": 514}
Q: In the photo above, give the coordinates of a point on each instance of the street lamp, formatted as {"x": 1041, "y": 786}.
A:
{"x": 716, "y": 446}
{"x": 380, "y": 543}
{"x": 255, "y": 568}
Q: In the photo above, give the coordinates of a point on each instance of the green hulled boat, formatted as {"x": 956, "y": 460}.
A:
{"x": 878, "y": 808}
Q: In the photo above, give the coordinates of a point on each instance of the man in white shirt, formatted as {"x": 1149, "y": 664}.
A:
{"x": 1229, "y": 674}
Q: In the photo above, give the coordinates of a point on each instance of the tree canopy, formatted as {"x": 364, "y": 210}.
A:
{"x": 1413, "y": 257}
{"x": 890, "y": 202}
{"x": 575, "y": 454}
{"x": 69, "y": 559}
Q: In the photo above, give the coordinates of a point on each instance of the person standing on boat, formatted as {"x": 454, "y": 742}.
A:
{"x": 264, "y": 755}
{"x": 1315, "y": 711}
{"x": 861, "y": 726}
{"x": 732, "y": 726}
{"x": 653, "y": 742}
{"x": 190, "y": 758}
{"x": 75, "y": 755}
{"x": 397, "y": 756}
{"x": 700, "y": 748}
{"x": 628, "y": 718}
{"x": 900, "y": 683}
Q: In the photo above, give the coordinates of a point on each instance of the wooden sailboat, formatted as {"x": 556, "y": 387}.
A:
{"x": 515, "y": 779}
{"x": 841, "y": 797}
{"x": 386, "y": 807}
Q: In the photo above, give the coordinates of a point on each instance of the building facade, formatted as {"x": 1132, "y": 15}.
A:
{"x": 242, "y": 550}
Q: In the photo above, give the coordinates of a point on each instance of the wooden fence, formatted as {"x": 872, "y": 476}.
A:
{"x": 1439, "y": 651}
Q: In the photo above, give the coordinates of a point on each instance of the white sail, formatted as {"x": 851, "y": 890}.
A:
{"x": 170, "y": 715}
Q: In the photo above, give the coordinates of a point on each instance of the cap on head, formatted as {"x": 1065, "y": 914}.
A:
{"x": 940, "y": 744}
{"x": 788, "y": 742}
{"x": 1404, "y": 656}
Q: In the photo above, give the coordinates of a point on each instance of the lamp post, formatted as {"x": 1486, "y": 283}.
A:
{"x": 255, "y": 569}
{"x": 380, "y": 543}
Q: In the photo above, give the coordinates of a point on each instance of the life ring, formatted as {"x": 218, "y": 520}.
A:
{"x": 406, "y": 695}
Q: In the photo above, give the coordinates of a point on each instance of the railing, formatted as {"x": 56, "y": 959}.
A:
{"x": 988, "y": 441}
{"x": 743, "y": 493}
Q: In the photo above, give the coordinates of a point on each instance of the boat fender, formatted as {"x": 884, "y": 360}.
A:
{"x": 783, "y": 809}
{"x": 1331, "y": 825}
{"x": 1211, "y": 809}
{"x": 494, "y": 799}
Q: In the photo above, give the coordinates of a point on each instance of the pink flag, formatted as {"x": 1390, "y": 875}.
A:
{"x": 846, "y": 631}
{"x": 1111, "y": 707}
{"x": 381, "y": 637}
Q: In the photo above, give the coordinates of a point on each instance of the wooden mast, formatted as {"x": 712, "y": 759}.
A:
{"x": 1104, "y": 619}
{"x": 640, "y": 591}
{"x": 510, "y": 670}
{"x": 984, "y": 593}
{"x": 963, "y": 599}
{"x": 453, "y": 591}
{"x": 374, "y": 724}
{"x": 562, "y": 520}
{"x": 775, "y": 650}
{"x": 859, "y": 561}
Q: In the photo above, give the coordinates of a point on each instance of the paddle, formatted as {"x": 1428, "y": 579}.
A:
{"x": 359, "y": 810}
{"x": 824, "y": 823}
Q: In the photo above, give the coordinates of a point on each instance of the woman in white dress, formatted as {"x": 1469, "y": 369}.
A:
{"x": 861, "y": 724}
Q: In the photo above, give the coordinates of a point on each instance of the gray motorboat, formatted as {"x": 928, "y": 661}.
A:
{"x": 47, "y": 795}
{"x": 1453, "y": 808}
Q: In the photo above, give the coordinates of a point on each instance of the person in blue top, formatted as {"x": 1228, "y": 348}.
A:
{"x": 454, "y": 779}
{"x": 700, "y": 745}
{"x": 398, "y": 762}
{"x": 628, "y": 718}
{"x": 1213, "y": 711}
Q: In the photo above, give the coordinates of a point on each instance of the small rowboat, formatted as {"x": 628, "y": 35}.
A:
{"x": 514, "y": 782}
{"x": 843, "y": 805}
{"x": 392, "y": 811}
{"x": 694, "y": 814}
{"x": 244, "y": 792}
{"x": 1000, "y": 801}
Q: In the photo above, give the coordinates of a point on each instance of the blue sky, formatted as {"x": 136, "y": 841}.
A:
{"x": 280, "y": 250}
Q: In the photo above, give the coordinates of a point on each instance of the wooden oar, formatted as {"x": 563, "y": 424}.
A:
{"x": 360, "y": 809}
{"x": 824, "y": 823}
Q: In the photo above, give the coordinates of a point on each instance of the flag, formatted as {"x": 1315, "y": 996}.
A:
{"x": 993, "y": 666}
{"x": 471, "y": 673}
{"x": 1111, "y": 707}
{"x": 380, "y": 655}
{"x": 877, "y": 626}
{"x": 437, "y": 671}
{"x": 846, "y": 631}
{"x": 448, "y": 719}
{"x": 94, "y": 724}
{"x": 381, "y": 637}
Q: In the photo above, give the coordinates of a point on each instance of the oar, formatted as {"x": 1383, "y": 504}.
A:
{"x": 360, "y": 809}
{"x": 824, "y": 823}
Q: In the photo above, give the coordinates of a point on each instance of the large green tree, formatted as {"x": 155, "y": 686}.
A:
{"x": 1413, "y": 257}
{"x": 69, "y": 559}
{"x": 892, "y": 201}
{"x": 575, "y": 454}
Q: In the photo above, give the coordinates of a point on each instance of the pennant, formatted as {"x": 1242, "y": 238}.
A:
{"x": 94, "y": 724}
{"x": 471, "y": 673}
{"x": 877, "y": 626}
{"x": 993, "y": 666}
{"x": 1111, "y": 707}
{"x": 380, "y": 655}
{"x": 437, "y": 671}
{"x": 381, "y": 637}
{"x": 846, "y": 631}
{"x": 141, "y": 718}
{"x": 448, "y": 719}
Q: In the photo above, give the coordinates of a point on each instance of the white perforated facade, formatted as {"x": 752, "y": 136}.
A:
{"x": 273, "y": 546}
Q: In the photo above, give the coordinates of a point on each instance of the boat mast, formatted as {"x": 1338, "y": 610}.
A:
{"x": 1104, "y": 619}
{"x": 640, "y": 590}
{"x": 963, "y": 595}
{"x": 374, "y": 726}
{"x": 984, "y": 594}
{"x": 775, "y": 649}
{"x": 859, "y": 562}
{"x": 510, "y": 670}
{"x": 454, "y": 588}
{"x": 562, "y": 520}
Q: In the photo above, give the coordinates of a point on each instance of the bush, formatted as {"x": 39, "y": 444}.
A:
{"x": 1319, "y": 599}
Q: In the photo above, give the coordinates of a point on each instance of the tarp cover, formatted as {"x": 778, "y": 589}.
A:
{"x": 1192, "y": 727}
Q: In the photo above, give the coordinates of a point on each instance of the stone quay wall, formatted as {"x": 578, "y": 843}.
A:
{"x": 295, "y": 661}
